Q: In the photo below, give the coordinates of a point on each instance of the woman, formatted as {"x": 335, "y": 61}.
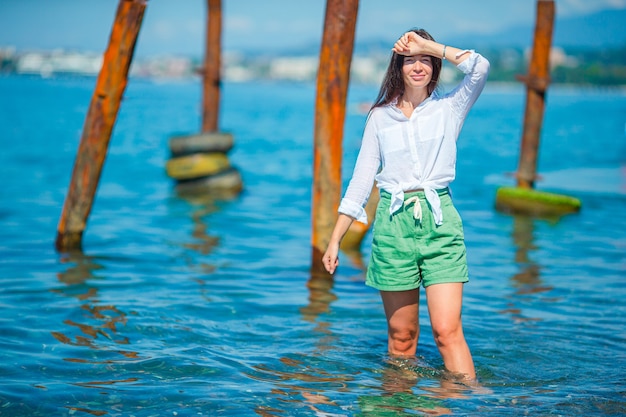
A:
{"x": 409, "y": 148}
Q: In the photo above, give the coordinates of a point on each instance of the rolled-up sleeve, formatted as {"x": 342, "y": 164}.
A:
{"x": 365, "y": 169}
{"x": 463, "y": 97}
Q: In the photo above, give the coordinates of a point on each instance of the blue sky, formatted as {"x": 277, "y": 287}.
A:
{"x": 177, "y": 26}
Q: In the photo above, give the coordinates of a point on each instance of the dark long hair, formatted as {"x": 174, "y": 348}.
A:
{"x": 392, "y": 86}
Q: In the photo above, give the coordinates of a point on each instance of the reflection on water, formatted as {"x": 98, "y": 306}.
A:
{"x": 398, "y": 393}
{"x": 107, "y": 317}
{"x": 410, "y": 386}
{"x": 304, "y": 380}
{"x": 321, "y": 297}
{"x": 81, "y": 270}
{"x": 204, "y": 204}
{"x": 320, "y": 287}
{"x": 96, "y": 326}
{"x": 527, "y": 280}
{"x": 204, "y": 243}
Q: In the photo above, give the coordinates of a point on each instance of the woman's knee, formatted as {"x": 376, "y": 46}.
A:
{"x": 448, "y": 334}
{"x": 403, "y": 339}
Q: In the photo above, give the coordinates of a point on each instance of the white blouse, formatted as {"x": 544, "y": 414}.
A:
{"x": 419, "y": 152}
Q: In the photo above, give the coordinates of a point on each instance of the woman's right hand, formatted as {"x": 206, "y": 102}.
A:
{"x": 407, "y": 44}
{"x": 331, "y": 257}
{"x": 410, "y": 44}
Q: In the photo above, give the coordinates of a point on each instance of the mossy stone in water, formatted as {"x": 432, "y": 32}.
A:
{"x": 518, "y": 200}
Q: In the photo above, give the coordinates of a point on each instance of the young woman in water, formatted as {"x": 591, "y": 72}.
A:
{"x": 409, "y": 149}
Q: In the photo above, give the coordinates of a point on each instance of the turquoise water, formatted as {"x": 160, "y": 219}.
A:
{"x": 200, "y": 307}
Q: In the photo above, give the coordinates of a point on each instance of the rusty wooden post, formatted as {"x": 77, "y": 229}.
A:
{"x": 199, "y": 162}
{"x": 537, "y": 82}
{"x": 524, "y": 199}
{"x": 212, "y": 67}
{"x": 330, "y": 108}
{"x": 99, "y": 122}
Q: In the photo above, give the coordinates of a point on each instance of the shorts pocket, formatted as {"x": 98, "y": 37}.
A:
{"x": 451, "y": 217}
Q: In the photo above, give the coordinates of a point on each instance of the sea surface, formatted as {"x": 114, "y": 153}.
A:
{"x": 206, "y": 305}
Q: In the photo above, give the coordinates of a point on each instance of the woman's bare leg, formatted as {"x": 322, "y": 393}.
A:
{"x": 444, "y": 308}
{"x": 401, "y": 309}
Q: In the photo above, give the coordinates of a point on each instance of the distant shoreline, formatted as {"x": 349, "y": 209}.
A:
{"x": 561, "y": 87}
{"x": 494, "y": 87}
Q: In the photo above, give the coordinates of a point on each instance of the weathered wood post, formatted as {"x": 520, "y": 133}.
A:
{"x": 537, "y": 82}
{"x": 99, "y": 123}
{"x": 523, "y": 198}
{"x": 212, "y": 63}
{"x": 330, "y": 108}
{"x": 199, "y": 162}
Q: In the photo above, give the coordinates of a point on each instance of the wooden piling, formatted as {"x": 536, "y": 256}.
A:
{"x": 99, "y": 123}
{"x": 199, "y": 162}
{"x": 330, "y": 108}
{"x": 537, "y": 82}
{"x": 524, "y": 199}
{"x": 212, "y": 67}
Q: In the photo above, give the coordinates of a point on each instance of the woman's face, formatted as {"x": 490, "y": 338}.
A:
{"x": 417, "y": 71}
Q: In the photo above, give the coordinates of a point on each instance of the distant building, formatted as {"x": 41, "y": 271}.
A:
{"x": 293, "y": 69}
{"x": 48, "y": 63}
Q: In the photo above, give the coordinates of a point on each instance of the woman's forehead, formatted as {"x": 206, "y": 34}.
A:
{"x": 417, "y": 56}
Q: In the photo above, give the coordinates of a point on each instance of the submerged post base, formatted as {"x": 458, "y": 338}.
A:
{"x": 226, "y": 183}
{"x": 68, "y": 241}
{"x": 516, "y": 200}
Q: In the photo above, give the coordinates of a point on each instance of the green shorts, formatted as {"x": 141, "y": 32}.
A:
{"x": 408, "y": 253}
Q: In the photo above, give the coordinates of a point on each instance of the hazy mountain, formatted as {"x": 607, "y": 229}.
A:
{"x": 605, "y": 29}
